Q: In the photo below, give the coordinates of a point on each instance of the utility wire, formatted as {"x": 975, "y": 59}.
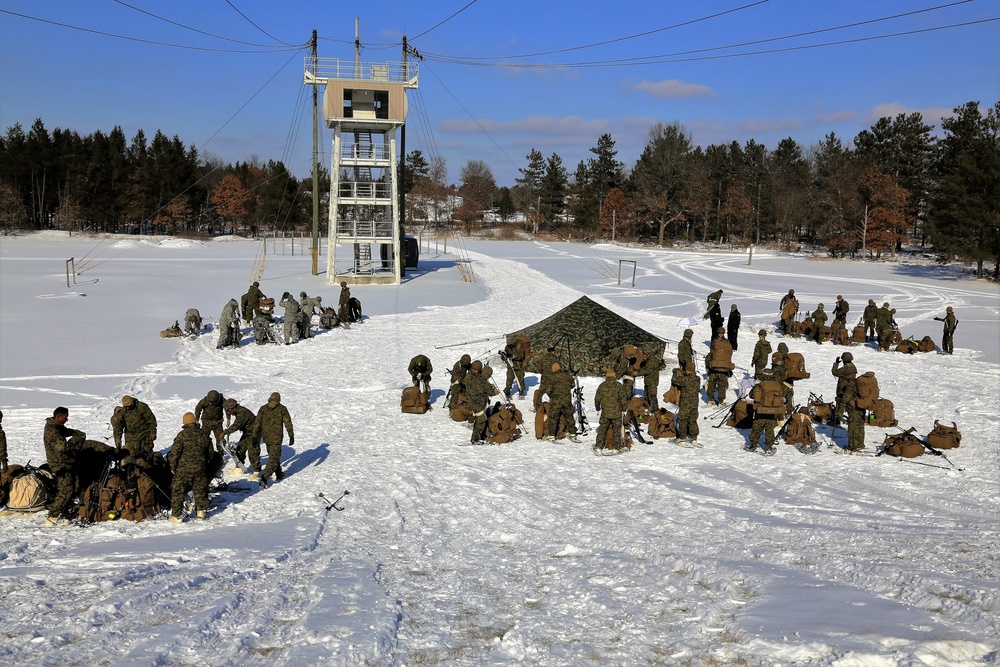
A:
{"x": 147, "y": 41}
{"x": 441, "y": 23}
{"x": 672, "y": 58}
{"x": 187, "y": 27}
{"x": 228, "y": 2}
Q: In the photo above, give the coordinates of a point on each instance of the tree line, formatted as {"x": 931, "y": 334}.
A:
{"x": 895, "y": 182}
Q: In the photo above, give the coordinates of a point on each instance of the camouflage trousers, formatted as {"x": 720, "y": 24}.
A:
{"x": 195, "y": 480}
{"x": 215, "y": 428}
{"x": 249, "y": 448}
{"x": 948, "y": 343}
{"x": 855, "y": 429}
{"x": 650, "y": 391}
{"x": 564, "y": 407}
{"x": 516, "y": 374}
{"x": 687, "y": 423}
{"x": 66, "y": 488}
{"x": 291, "y": 331}
{"x": 763, "y": 424}
{"x": 273, "y": 462}
{"x": 717, "y": 382}
{"x": 613, "y": 422}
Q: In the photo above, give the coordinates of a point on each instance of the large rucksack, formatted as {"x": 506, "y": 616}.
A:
{"x": 907, "y": 346}
{"x": 661, "y": 424}
{"x": 795, "y": 366}
{"x": 741, "y": 415}
{"x": 672, "y": 395}
{"x": 639, "y": 408}
{"x": 459, "y": 408}
{"x": 885, "y": 414}
{"x": 926, "y": 344}
{"x": 617, "y": 441}
{"x": 767, "y": 397}
{"x": 524, "y": 342}
{"x": 30, "y": 489}
{"x": 542, "y": 425}
{"x": 904, "y": 445}
{"x": 799, "y": 430}
{"x": 944, "y": 437}
{"x": 867, "y": 391}
{"x": 721, "y": 355}
{"x": 502, "y": 424}
{"x": 841, "y": 337}
{"x": 414, "y": 401}
{"x": 859, "y": 334}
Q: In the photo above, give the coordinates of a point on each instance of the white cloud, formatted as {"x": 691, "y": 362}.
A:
{"x": 671, "y": 88}
{"x": 536, "y": 125}
{"x": 931, "y": 115}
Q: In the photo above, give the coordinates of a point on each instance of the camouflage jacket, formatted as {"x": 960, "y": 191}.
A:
{"x": 243, "y": 421}
{"x": 761, "y": 354}
{"x": 515, "y": 355}
{"x": 61, "y": 445}
{"x": 883, "y": 319}
{"x": 270, "y": 420}
{"x": 208, "y": 412}
{"x": 458, "y": 372}
{"x": 819, "y": 317}
{"x": 478, "y": 391}
{"x": 345, "y": 297}
{"x": 611, "y": 398}
{"x": 558, "y": 386}
{"x": 420, "y": 365}
{"x": 684, "y": 354}
{"x": 291, "y": 307}
{"x": 136, "y": 422}
{"x": 230, "y": 314}
{"x": 844, "y": 375}
{"x": 544, "y": 361}
{"x": 190, "y": 450}
{"x": 841, "y": 310}
{"x": 690, "y": 386}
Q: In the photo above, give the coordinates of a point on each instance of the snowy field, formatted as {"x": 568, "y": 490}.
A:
{"x": 528, "y": 553}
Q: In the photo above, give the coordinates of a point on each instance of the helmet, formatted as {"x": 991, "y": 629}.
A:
{"x": 343, "y": 283}
{"x": 892, "y": 312}
{"x": 556, "y": 367}
{"x": 720, "y": 332}
{"x": 871, "y": 302}
{"x": 229, "y": 404}
{"x": 688, "y": 333}
{"x": 791, "y": 291}
{"x": 782, "y": 348}
{"x": 732, "y": 307}
{"x": 127, "y": 401}
{"x": 840, "y": 298}
{"x": 465, "y": 360}
{"x": 762, "y": 333}
{"x": 885, "y": 305}
{"x": 477, "y": 366}
{"x": 276, "y": 397}
{"x": 949, "y": 309}
{"x": 487, "y": 372}
{"x": 847, "y": 357}
{"x": 212, "y": 396}
{"x": 256, "y": 284}
{"x": 189, "y": 418}
{"x": 302, "y": 294}
{"x": 821, "y": 306}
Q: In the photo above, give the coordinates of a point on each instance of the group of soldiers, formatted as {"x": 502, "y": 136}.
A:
{"x": 257, "y": 310}
{"x": 192, "y": 458}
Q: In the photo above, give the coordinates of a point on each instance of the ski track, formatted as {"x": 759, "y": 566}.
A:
{"x": 279, "y": 580}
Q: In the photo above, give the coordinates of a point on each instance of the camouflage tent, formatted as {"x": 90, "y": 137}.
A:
{"x": 590, "y": 333}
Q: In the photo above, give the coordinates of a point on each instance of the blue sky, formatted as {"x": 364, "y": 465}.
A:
{"x": 239, "y": 93}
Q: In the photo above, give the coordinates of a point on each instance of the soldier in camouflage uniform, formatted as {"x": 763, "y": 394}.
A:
{"x": 420, "y": 370}
{"x": 306, "y": 307}
{"x": 3, "y": 446}
{"x": 188, "y": 459}
{"x": 713, "y": 301}
{"x": 61, "y": 447}
{"x": 478, "y": 391}
{"x": 845, "y": 376}
{"x": 292, "y": 316}
{"x": 870, "y": 317}
{"x": 271, "y": 418}
{"x": 840, "y": 310}
{"x": 458, "y": 373}
{"x": 651, "y": 382}
{"x": 344, "y": 305}
{"x": 883, "y": 325}
{"x": 612, "y": 400}
{"x": 819, "y": 321}
{"x": 192, "y": 321}
{"x": 950, "y": 324}
{"x": 514, "y": 355}
{"x": 717, "y": 383}
{"x": 543, "y": 363}
{"x": 251, "y": 302}
{"x": 209, "y": 412}
{"x": 684, "y": 352}
{"x": 262, "y": 331}
{"x": 136, "y": 422}
{"x": 763, "y": 424}
{"x": 687, "y": 413}
{"x": 855, "y": 418}
{"x": 558, "y": 385}
{"x": 229, "y": 326}
{"x": 781, "y": 375}
{"x": 761, "y": 354}
{"x": 244, "y": 421}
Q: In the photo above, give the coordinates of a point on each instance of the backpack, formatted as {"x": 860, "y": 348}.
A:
{"x": 722, "y": 355}
{"x": 503, "y": 423}
{"x": 611, "y": 440}
{"x": 819, "y": 411}
{"x": 742, "y": 415}
{"x": 885, "y": 415}
{"x": 632, "y": 352}
{"x": 795, "y": 366}
{"x": 525, "y": 344}
{"x": 926, "y": 344}
{"x": 414, "y": 401}
{"x": 661, "y": 424}
{"x": 459, "y": 409}
{"x": 10, "y": 473}
{"x": 825, "y": 333}
{"x": 103, "y": 502}
{"x": 904, "y": 445}
{"x": 172, "y": 332}
{"x": 637, "y": 406}
{"x": 672, "y": 395}
{"x": 859, "y": 334}
{"x": 767, "y": 395}
{"x": 867, "y": 391}
{"x": 799, "y": 430}
{"x": 267, "y": 306}
{"x": 944, "y": 437}
{"x": 542, "y": 426}
{"x": 907, "y": 346}
{"x": 30, "y": 490}
{"x": 841, "y": 337}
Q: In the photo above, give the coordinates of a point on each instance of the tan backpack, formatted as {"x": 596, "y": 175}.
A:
{"x": 638, "y": 407}
{"x": 841, "y": 337}
{"x": 661, "y": 424}
{"x": 799, "y": 430}
{"x": 30, "y": 490}
{"x": 795, "y": 366}
{"x": 819, "y": 411}
{"x": 885, "y": 414}
{"x": 741, "y": 415}
{"x": 524, "y": 343}
{"x": 859, "y": 334}
{"x": 721, "y": 355}
{"x": 944, "y": 437}
{"x": 903, "y": 445}
{"x": 926, "y": 344}
{"x": 414, "y": 401}
{"x": 542, "y": 426}
{"x": 459, "y": 409}
{"x": 867, "y": 391}
{"x": 503, "y": 423}
{"x": 767, "y": 397}
{"x": 672, "y": 395}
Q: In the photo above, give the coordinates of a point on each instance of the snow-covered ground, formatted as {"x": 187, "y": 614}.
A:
{"x": 528, "y": 553}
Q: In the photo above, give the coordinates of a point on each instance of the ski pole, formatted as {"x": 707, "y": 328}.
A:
{"x": 333, "y": 505}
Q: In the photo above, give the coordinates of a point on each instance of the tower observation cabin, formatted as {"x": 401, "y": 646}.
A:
{"x": 364, "y": 104}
